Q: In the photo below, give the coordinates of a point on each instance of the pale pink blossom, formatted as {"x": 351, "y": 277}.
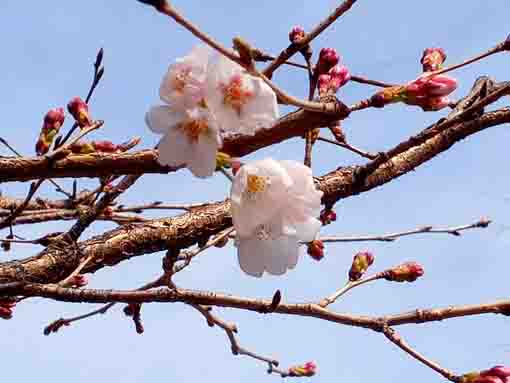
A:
{"x": 274, "y": 205}
{"x": 191, "y": 138}
{"x": 241, "y": 102}
{"x": 183, "y": 85}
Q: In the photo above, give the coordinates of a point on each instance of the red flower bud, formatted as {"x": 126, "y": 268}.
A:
{"x": 432, "y": 59}
{"x": 296, "y": 34}
{"x": 500, "y": 372}
{"x": 104, "y": 146}
{"x": 80, "y": 111}
{"x": 360, "y": 264}
{"x": 406, "y": 272}
{"x": 78, "y": 281}
{"x": 108, "y": 211}
{"x": 328, "y": 58}
{"x": 307, "y": 369}
{"x": 6, "y": 308}
{"x": 53, "y": 119}
{"x": 316, "y": 249}
{"x": 327, "y": 216}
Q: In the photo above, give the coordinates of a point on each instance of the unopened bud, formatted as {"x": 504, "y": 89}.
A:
{"x": 340, "y": 75}
{"x": 328, "y": 58}
{"x": 316, "y": 249}
{"x": 327, "y": 216}
{"x": 78, "y": 281}
{"x": 307, "y": 369}
{"x": 432, "y": 59}
{"x": 297, "y": 34}
{"x": 80, "y": 111}
{"x": 7, "y": 307}
{"x": 360, "y": 264}
{"x": 406, "y": 272}
{"x": 108, "y": 211}
{"x": 53, "y": 121}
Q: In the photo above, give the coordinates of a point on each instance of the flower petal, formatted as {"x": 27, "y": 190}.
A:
{"x": 161, "y": 118}
{"x": 202, "y": 160}
{"x": 174, "y": 149}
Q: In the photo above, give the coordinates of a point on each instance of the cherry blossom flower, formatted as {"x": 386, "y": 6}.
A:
{"x": 241, "y": 102}
{"x": 274, "y": 205}
{"x": 191, "y": 138}
{"x": 183, "y": 86}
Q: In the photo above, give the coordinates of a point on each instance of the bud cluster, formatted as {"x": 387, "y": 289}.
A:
{"x": 308, "y": 369}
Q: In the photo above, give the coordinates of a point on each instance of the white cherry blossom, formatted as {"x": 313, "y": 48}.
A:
{"x": 191, "y": 138}
{"x": 241, "y": 102}
{"x": 183, "y": 86}
{"x": 274, "y": 205}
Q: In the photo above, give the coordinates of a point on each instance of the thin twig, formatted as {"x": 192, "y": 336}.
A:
{"x": 397, "y": 340}
{"x": 455, "y": 231}
{"x": 349, "y": 147}
{"x": 348, "y": 286}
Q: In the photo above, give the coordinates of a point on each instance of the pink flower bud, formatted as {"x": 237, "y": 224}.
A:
{"x": 80, "y": 111}
{"x": 432, "y": 59}
{"x": 436, "y": 86}
{"x": 340, "y": 75}
{"x": 327, "y": 216}
{"x": 316, "y": 249}
{"x": 53, "y": 119}
{"x": 406, "y": 272}
{"x": 500, "y": 372}
{"x": 360, "y": 264}
{"x": 296, "y": 34}
{"x": 78, "y": 281}
{"x": 328, "y": 58}
{"x": 432, "y": 104}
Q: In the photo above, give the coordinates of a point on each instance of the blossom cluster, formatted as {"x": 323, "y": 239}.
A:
{"x": 207, "y": 97}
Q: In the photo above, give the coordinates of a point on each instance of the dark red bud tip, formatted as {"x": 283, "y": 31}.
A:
{"x": 377, "y": 100}
{"x": 316, "y": 249}
{"x": 327, "y": 216}
{"x": 506, "y": 44}
{"x": 297, "y": 34}
{"x": 158, "y": 4}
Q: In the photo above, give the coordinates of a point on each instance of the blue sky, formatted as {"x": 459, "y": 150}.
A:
{"x": 48, "y": 51}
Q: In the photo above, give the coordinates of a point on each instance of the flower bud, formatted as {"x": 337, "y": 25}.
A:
{"x": 316, "y": 249}
{"x": 497, "y": 372}
{"x": 108, "y": 211}
{"x": 360, "y": 264}
{"x": 53, "y": 121}
{"x": 432, "y": 59}
{"x": 104, "y": 146}
{"x": 78, "y": 281}
{"x": 296, "y": 34}
{"x": 327, "y": 216}
{"x": 307, "y": 369}
{"x": 6, "y": 308}
{"x": 328, "y": 58}
{"x": 406, "y": 272}
{"x": 340, "y": 75}
{"x": 80, "y": 111}
{"x": 435, "y": 86}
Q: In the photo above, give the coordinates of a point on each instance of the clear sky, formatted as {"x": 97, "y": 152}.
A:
{"x": 48, "y": 50}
